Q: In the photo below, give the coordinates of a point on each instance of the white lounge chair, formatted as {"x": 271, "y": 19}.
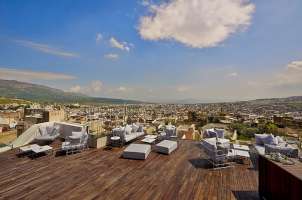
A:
{"x": 35, "y": 149}
{"x": 170, "y": 131}
{"x": 218, "y": 156}
{"x": 75, "y": 143}
{"x": 47, "y": 134}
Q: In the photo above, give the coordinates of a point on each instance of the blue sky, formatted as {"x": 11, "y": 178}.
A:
{"x": 208, "y": 50}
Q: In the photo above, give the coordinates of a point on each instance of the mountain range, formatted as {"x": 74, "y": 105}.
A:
{"x": 40, "y": 93}
{"x": 34, "y": 92}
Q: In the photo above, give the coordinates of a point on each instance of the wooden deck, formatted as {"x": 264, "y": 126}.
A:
{"x": 102, "y": 174}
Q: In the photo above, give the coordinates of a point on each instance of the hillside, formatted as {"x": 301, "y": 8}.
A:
{"x": 4, "y": 100}
{"x": 40, "y": 93}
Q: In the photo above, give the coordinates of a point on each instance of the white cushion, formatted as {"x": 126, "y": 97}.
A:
{"x": 137, "y": 151}
{"x": 134, "y": 128}
{"x": 140, "y": 128}
{"x": 280, "y": 140}
{"x": 260, "y": 149}
{"x": 77, "y": 134}
{"x": 128, "y": 129}
{"x": 129, "y": 137}
{"x": 259, "y": 138}
{"x": 139, "y": 134}
{"x": 269, "y": 139}
{"x": 166, "y": 146}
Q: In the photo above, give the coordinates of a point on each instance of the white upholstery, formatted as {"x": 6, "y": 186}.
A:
{"x": 127, "y": 134}
{"x": 134, "y": 128}
{"x": 130, "y": 137}
{"x": 137, "y": 151}
{"x": 128, "y": 129}
{"x": 213, "y": 133}
{"x": 75, "y": 144}
{"x": 48, "y": 132}
{"x": 166, "y": 146}
{"x": 260, "y": 149}
{"x": 170, "y": 130}
{"x": 138, "y": 134}
{"x": 217, "y": 155}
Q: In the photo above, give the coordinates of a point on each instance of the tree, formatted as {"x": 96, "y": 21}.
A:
{"x": 271, "y": 128}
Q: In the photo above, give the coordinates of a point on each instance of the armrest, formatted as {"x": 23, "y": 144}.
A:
{"x": 220, "y": 153}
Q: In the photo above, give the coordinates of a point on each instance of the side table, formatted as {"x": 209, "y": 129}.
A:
{"x": 115, "y": 141}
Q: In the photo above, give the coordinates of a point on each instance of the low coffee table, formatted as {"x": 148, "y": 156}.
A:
{"x": 241, "y": 152}
{"x": 151, "y": 136}
{"x": 148, "y": 140}
{"x": 41, "y": 150}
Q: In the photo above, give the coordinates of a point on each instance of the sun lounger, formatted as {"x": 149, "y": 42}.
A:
{"x": 28, "y": 148}
{"x": 34, "y": 149}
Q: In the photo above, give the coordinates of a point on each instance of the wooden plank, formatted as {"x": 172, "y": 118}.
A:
{"x": 103, "y": 174}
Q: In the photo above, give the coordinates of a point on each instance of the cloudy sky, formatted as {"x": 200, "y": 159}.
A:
{"x": 155, "y": 50}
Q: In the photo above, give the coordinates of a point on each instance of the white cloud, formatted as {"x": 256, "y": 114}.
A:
{"x": 232, "y": 75}
{"x": 291, "y": 76}
{"x": 16, "y": 74}
{"x": 120, "y": 45}
{"x": 145, "y": 2}
{"x": 99, "y": 37}
{"x": 45, "y": 48}
{"x": 196, "y": 23}
{"x": 93, "y": 88}
{"x": 96, "y": 86}
{"x": 75, "y": 89}
{"x": 111, "y": 56}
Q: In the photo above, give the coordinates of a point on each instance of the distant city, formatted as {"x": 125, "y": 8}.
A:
{"x": 151, "y": 99}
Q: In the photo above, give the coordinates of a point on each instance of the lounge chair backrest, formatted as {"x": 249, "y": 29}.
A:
{"x": 134, "y": 128}
{"x": 119, "y": 132}
{"x": 219, "y": 133}
{"x": 170, "y": 130}
{"x": 55, "y": 131}
{"x": 140, "y": 129}
{"x": 84, "y": 139}
{"x": 209, "y": 149}
{"x": 42, "y": 130}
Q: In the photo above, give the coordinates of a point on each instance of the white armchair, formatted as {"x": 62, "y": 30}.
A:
{"x": 218, "y": 156}
{"x": 76, "y": 142}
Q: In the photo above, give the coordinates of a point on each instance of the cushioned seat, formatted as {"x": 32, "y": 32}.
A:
{"x": 260, "y": 149}
{"x": 46, "y": 137}
{"x": 137, "y": 151}
{"x": 166, "y": 146}
{"x": 138, "y": 134}
{"x": 129, "y": 137}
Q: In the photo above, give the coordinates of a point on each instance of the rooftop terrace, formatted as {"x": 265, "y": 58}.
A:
{"x": 103, "y": 174}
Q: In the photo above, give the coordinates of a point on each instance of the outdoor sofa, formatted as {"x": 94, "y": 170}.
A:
{"x": 129, "y": 132}
{"x": 268, "y": 143}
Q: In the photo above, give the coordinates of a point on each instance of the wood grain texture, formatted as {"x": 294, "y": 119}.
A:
{"x": 101, "y": 174}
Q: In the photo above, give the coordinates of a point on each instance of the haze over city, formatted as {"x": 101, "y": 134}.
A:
{"x": 157, "y": 51}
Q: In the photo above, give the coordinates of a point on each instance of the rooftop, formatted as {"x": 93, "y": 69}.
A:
{"x": 103, "y": 174}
